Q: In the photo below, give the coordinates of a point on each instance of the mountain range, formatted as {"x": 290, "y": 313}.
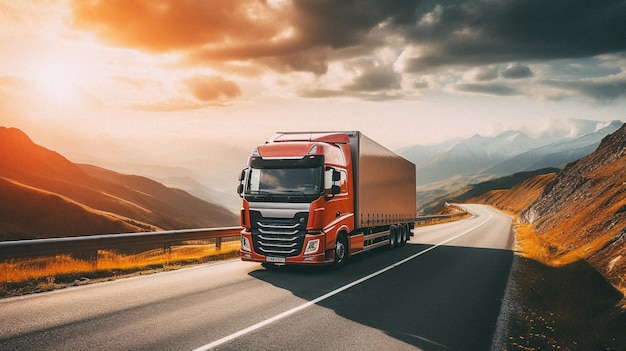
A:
{"x": 43, "y": 194}
{"x": 449, "y": 167}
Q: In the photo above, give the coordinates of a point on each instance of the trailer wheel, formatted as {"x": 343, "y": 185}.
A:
{"x": 393, "y": 236}
{"x": 341, "y": 251}
{"x": 405, "y": 234}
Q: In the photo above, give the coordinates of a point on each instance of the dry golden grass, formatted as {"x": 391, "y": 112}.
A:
{"x": 42, "y": 274}
{"x": 549, "y": 249}
{"x": 443, "y": 220}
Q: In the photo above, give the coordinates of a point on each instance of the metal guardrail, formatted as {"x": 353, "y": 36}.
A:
{"x": 92, "y": 243}
{"x": 434, "y": 218}
{"x": 54, "y": 246}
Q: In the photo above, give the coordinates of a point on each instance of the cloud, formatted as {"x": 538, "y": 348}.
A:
{"x": 489, "y": 89}
{"x": 212, "y": 88}
{"x": 170, "y": 25}
{"x": 290, "y": 36}
{"x": 486, "y": 32}
{"x": 202, "y": 91}
{"x": 250, "y": 38}
{"x": 376, "y": 78}
{"x": 604, "y": 90}
{"x": 517, "y": 71}
{"x": 473, "y": 32}
{"x": 486, "y": 73}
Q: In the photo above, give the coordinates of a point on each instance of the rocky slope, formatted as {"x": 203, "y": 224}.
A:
{"x": 583, "y": 211}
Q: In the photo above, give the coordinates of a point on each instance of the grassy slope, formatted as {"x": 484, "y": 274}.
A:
{"x": 65, "y": 198}
{"x": 30, "y": 213}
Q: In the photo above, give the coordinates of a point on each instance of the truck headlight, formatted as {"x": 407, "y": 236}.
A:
{"x": 245, "y": 243}
{"x": 312, "y": 246}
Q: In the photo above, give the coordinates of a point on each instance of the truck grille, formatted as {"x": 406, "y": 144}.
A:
{"x": 278, "y": 236}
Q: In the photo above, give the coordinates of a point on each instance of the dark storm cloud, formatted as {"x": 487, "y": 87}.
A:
{"x": 598, "y": 91}
{"x": 517, "y": 72}
{"x": 486, "y": 32}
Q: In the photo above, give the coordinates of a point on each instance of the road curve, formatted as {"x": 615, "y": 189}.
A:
{"x": 441, "y": 291}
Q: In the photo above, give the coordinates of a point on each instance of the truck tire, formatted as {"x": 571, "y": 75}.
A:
{"x": 341, "y": 250}
{"x": 393, "y": 236}
{"x": 405, "y": 234}
{"x": 401, "y": 235}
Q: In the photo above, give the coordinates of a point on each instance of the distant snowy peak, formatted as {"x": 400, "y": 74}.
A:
{"x": 508, "y": 152}
{"x": 506, "y": 144}
{"x": 512, "y": 142}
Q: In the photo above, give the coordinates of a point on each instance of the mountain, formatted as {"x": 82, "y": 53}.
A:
{"x": 578, "y": 214}
{"x": 44, "y": 194}
{"x": 556, "y": 154}
{"x": 504, "y": 183}
{"x": 470, "y": 156}
{"x": 582, "y": 213}
{"x": 206, "y": 169}
{"x": 419, "y": 154}
{"x": 446, "y": 170}
{"x": 506, "y": 153}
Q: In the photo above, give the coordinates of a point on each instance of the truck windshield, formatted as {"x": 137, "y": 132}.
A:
{"x": 285, "y": 181}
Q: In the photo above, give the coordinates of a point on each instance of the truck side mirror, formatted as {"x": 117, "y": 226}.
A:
{"x": 336, "y": 175}
{"x": 335, "y": 189}
{"x": 242, "y": 177}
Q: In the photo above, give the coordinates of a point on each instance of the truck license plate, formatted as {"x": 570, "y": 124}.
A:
{"x": 275, "y": 259}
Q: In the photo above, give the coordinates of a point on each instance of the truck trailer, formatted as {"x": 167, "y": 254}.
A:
{"x": 317, "y": 198}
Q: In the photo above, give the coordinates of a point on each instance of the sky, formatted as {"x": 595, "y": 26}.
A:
{"x": 126, "y": 79}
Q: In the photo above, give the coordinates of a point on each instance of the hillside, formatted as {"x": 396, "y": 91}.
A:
{"x": 579, "y": 213}
{"x": 582, "y": 213}
{"x": 44, "y": 194}
{"x": 516, "y": 198}
{"x": 504, "y": 183}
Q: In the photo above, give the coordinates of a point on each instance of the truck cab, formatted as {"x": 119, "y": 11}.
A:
{"x": 297, "y": 200}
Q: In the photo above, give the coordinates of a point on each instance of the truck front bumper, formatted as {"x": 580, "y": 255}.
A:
{"x": 311, "y": 241}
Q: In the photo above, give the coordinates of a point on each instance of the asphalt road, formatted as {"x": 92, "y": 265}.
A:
{"x": 442, "y": 291}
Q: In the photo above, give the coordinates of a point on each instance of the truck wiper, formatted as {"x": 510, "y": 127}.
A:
{"x": 262, "y": 193}
{"x": 295, "y": 191}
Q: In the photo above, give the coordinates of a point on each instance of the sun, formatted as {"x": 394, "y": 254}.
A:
{"x": 59, "y": 78}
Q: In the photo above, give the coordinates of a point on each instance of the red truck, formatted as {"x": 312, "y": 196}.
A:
{"x": 317, "y": 198}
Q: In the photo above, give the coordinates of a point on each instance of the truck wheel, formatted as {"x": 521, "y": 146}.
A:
{"x": 341, "y": 251}
{"x": 403, "y": 234}
{"x": 393, "y": 236}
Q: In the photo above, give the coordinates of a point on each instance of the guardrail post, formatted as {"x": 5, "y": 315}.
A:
{"x": 90, "y": 256}
{"x": 218, "y": 244}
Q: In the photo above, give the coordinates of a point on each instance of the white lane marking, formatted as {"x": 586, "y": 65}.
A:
{"x": 332, "y": 293}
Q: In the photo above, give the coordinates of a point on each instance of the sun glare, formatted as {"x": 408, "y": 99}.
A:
{"x": 59, "y": 78}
